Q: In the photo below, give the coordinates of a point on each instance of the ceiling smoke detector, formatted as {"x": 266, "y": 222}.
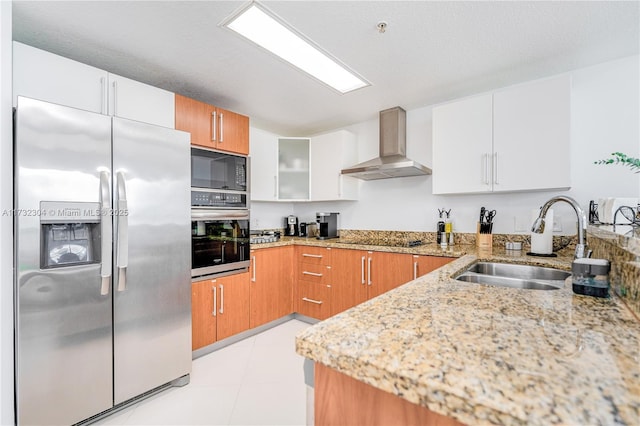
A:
{"x": 382, "y": 26}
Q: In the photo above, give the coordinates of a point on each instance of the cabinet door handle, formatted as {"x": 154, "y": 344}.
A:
{"x": 339, "y": 185}
{"x": 317, "y": 302}
{"x": 495, "y": 168}
{"x": 221, "y": 127}
{"x": 214, "y": 126}
{"x": 362, "y": 270}
{"x": 369, "y": 271}
{"x": 317, "y": 256}
{"x": 115, "y": 98}
{"x": 314, "y": 274}
{"x": 275, "y": 187}
{"x": 485, "y": 158}
{"x": 103, "y": 97}
{"x": 253, "y": 276}
{"x": 221, "y": 299}
{"x": 415, "y": 270}
{"x": 215, "y": 299}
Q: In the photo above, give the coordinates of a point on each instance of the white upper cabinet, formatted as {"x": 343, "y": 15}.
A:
{"x": 264, "y": 165}
{"x": 141, "y": 102}
{"x": 516, "y": 139}
{"x": 302, "y": 169}
{"x": 293, "y": 169}
{"x": 462, "y": 143}
{"x": 531, "y": 136}
{"x": 45, "y": 76}
{"x": 330, "y": 153}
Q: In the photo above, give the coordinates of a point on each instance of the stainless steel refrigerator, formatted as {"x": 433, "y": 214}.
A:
{"x": 102, "y": 273}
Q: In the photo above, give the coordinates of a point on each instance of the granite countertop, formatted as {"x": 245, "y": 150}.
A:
{"x": 489, "y": 355}
{"x": 430, "y": 249}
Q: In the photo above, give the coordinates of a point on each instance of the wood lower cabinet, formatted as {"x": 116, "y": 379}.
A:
{"x": 233, "y": 305}
{"x": 424, "y": 264}
{"x": 219, "y": 308}
{"x": 271, "y": 284}
{"x": 312, "y": 289}
{"x": 317, "y": 282}
{"x": 203, "y": 313}
{"x": 387, "y": 271}
{"x": 342, "y": 400}
{"x": 361, "y": 275}
{"x": 212, "y": 127}
{"x": 349, "y": 285}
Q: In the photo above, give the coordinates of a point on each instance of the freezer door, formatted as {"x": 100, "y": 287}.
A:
{"x": 152, "y": 262}
{"x": 63, "y": 338}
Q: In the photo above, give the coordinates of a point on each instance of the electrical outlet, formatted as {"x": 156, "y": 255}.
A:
{"x": 521, "y": 224}
{"x": 557, "y": 226}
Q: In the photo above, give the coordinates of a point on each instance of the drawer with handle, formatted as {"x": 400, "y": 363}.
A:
{"x": 313, "y": 255}
{"x": 318, "y": 274}
{"x": 314, "y": 300}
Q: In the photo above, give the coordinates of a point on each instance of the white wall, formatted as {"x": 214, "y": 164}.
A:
{"x": 605, "y": 111}
{"x": 6, "y": 222}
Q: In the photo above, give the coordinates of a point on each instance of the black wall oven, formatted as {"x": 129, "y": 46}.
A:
{"x": 219, "y": 241}
{"x": 219, "y": 180}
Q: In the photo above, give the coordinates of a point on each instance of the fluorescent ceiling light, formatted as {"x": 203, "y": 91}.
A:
{"x": 265, "y": 31}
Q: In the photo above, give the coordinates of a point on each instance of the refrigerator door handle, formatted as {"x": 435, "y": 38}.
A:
{"x": 122, "y": 231}
{"x": 106, "y": 231}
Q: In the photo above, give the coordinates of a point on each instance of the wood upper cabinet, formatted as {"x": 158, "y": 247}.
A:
{"x": 424, "y": 264}
{"x": 233, "y": 132}
{"x": 212, "y": 127}
{"x": 219, "y": 308}
{"x": 271, "y": 284}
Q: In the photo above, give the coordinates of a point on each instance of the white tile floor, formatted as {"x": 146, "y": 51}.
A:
{"x": 257, "y": 381}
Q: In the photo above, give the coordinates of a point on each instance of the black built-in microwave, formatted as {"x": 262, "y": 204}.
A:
{"x": 219, "y": 179}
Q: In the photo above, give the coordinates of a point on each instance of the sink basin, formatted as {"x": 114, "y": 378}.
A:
{"x": 515, "y": 276}
{"x": 519, "y": 271}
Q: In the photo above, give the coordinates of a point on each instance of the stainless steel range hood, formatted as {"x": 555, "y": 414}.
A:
{"x": 392, "y": 161}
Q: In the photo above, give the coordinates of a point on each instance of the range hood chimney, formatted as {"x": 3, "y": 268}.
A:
{"x": 392, "y": 161}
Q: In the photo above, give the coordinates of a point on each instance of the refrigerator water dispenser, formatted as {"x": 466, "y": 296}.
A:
{"x": 70, "y": 234}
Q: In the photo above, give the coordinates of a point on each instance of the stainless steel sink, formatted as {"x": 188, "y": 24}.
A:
{"x": 515, "y": 276}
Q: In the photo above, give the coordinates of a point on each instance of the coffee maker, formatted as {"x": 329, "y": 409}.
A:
{"x": 327, "y": 225}
{"x": 291, "y": 226}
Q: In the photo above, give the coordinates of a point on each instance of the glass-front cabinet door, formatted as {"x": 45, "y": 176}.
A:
{"x": 293, "y": 169}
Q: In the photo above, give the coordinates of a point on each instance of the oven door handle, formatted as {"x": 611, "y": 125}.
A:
{"x": 219, "y": 214}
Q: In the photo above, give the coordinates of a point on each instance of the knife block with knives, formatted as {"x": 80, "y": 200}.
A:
{"x": 484, "y": 230}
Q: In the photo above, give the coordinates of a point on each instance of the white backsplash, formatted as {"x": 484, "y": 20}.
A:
{"x": 605, "y": 111}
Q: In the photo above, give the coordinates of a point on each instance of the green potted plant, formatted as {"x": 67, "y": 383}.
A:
{"x": 623, "y": 159}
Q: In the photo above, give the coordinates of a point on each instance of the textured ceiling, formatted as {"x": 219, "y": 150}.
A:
{"x": 431, "y": 52}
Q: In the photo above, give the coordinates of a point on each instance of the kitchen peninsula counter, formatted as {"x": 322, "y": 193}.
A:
{"x": 485, "y": 354}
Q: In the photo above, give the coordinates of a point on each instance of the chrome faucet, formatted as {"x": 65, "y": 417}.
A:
{"x": 538, "y": 226}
